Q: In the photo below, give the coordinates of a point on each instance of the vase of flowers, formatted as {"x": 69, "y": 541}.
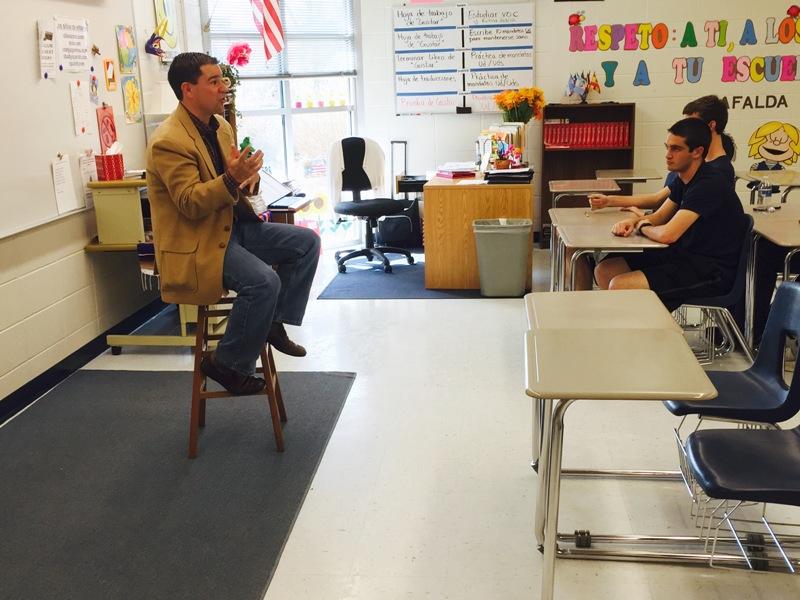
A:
{"x": 238, "y": 56}
{"x": 521, "y": 106}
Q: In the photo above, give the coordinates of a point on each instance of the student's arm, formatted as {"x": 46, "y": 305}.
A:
{"x": 652, "y": 200}
{"x": 633, "y": 225}
{"x": 671, "y": 231}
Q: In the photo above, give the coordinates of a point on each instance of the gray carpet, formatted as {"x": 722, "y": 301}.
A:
{"x": 367, "y": 281}
{"x": 99, "y": 501}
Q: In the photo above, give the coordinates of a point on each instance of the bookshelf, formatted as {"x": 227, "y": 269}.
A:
{"x": 578, "y": 139}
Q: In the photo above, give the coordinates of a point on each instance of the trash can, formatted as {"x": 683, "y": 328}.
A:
{"x": 503, "y": 246}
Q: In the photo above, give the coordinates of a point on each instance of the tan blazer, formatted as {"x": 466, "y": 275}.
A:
{"x": 191, "y": 209}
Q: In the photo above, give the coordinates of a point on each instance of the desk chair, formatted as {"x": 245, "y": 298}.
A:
{"x": 356, "y": 165}
{"x": 757, "y": 397}
{"x": 741, "y": 467}
{"x": 721, "y": 306}
{"x": 200, "y": 392}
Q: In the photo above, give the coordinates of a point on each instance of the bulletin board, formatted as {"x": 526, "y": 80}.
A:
{"x": 449, "y": 57}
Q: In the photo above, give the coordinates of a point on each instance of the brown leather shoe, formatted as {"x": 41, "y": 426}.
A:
{"x": 235, "y": 383}
{"x": 279, "y": 339}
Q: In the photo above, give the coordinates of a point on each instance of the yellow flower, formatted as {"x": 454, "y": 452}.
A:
{"x": 532, "y": 97}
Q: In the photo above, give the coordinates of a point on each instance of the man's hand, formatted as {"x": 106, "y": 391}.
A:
{"x": 244, "y": 166}
{"x": 624, "y": 228}
{"x": 598, "y": 201}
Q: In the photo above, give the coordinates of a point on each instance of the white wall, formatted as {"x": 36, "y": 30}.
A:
{"x": 434, "y": 139}
{"x": 54, "y": 297}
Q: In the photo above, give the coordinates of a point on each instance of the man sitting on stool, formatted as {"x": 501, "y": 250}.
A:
{"x": 702, "y": 221}
{"x": 209, "y": 239}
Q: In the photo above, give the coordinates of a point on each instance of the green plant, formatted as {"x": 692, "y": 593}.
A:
{"x": 231, "y": 76}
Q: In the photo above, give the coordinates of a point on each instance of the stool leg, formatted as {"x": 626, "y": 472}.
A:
{"x": 269, "y": 389}
{"x": 273, "y": 373}
{"x": 197, "y": 382}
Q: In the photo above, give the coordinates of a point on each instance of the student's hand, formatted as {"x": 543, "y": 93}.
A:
{"x": 598, "y": 201}
{"x": 242, "y": 166}
{"x": 634, "y": 209}
{"x": 624, "y": 228}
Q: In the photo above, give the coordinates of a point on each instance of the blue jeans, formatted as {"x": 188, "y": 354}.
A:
{"x": 264, "y": 294}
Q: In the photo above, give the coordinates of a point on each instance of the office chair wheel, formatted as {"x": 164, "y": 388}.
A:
{"x": 755, "y": 541}
{"x": 116, "y": 350}
{"x": 411, "y": 260}
{"x": 342, "y": 269}
{"x": 370, "y": 257}
{"x": 387, "y": 268}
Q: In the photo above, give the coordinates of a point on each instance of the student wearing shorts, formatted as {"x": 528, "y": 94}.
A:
{"x": 702, "y": 221}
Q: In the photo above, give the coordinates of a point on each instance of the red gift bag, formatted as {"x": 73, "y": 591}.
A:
{"x": 109, "y": 167}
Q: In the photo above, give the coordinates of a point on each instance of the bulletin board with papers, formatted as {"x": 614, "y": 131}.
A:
{"x": 446, "y": 57}
{"x": 50, "y": 109}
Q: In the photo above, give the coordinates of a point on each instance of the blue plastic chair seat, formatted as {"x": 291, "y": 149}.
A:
{"x": 742, "y": 396}
{"x": 746, "y": 464}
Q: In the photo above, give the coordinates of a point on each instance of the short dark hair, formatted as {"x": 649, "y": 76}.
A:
{"x": 709, "y": 108}
{"x": 694, "y": 131}
{"x": 729, "y": 145}
{"x": 186, "y": 67}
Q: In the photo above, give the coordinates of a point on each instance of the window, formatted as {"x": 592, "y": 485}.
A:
{"x": 296, "y": 105}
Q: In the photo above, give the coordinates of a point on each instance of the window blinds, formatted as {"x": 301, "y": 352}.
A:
{"x": 318, "y": 37}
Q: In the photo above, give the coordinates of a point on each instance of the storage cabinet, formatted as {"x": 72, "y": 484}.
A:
{"x": 577, "y": 140}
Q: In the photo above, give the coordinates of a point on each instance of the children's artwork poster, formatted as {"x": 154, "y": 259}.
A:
{"x": 47, "y": 48}
{"x": 167, "y": 25}
{"x": 126, "y": 48}
{"x": 727, "y": 57}
{"x": 110, "y": 74}
{"x": 106, "y": 128}
{"x": 72, "y": 48}
{"x": 94, "y": 90}
{"x": 132, "y": 98}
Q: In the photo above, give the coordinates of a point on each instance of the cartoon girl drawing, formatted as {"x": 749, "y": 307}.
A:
{"x": 776, "y": 144}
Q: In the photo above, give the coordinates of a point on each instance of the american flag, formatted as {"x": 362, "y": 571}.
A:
{"x": 268, "y": 22}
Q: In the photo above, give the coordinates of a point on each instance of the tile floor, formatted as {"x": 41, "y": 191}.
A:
{"x": 425, "y": 490}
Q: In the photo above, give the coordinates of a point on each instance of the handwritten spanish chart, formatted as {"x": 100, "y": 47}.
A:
{"x": 458, "y": 56}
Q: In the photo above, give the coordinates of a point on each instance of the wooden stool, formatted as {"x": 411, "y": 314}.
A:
{"x": 200, "y": 391}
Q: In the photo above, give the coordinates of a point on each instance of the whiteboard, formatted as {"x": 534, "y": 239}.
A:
{"x": 37, "y": 113}
{"x": 460, "y": 56}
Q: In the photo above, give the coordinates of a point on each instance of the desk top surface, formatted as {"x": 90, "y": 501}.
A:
{"x": 628, "y": 175}
{"x": 580, "y": 186}
{"x": 598, "y": 309}
{"x": 605, "y": 217}
{"x": 444, "y": 182}
{"x": 598, "y": 236}
{"x": 119, "y": 183}
{"x": 779, "y": 177}
{"x": 614, "y": 364}
{"x": 784, "y": 233}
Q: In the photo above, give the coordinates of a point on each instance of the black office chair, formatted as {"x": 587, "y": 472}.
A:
{"x": 356, "y": 180}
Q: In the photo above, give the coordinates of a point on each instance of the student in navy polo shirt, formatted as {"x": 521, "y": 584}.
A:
{"x": 702, "y": 221}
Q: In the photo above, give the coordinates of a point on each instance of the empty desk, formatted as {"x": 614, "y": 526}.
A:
{"x": 615, "y": 364}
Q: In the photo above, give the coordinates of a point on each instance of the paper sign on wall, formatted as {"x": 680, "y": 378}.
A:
{"x": 73, "y": 50}
{"x": 79, "y": 94}
{"x": 66, "y": 200}
{"x": 47, "y": 48}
